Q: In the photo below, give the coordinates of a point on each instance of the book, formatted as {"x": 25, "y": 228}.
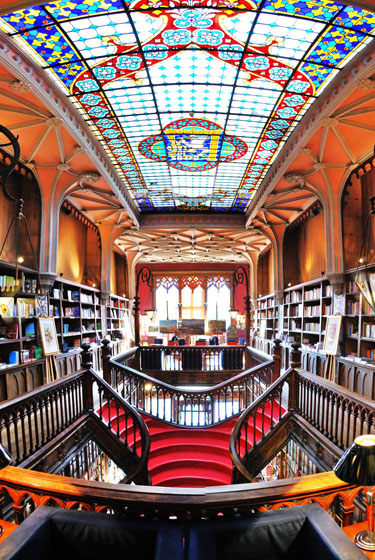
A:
{"x": 12, "y": 331}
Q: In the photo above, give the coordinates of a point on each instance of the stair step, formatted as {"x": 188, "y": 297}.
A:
{"x": 192, "y": 464}
{"x": 156, "y": 462}
{"x": 197, "y": 475}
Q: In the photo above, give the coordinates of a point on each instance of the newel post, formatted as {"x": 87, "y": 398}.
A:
{"x": 106, "y": 356}
{"x": 88, "y": 401}
{"x": 295, "y": 355}
{"x": 276, "y": 356}
{"x": 295, "y": 361}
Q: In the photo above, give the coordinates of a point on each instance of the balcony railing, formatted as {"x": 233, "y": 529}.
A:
{"x": 337, "y": 413}
{"x": 33, "y": 420}
{"x": 30, "y": 489}
{"x": 191, "y": 358}
{"x": 186, "y": 406}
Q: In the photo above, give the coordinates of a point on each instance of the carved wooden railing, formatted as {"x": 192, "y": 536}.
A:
{"x": 26, "y": 487}
{"x": 188, "y": 407}
{"x": 257, "y": 421}
{"x": 337, "y": 413}
{"x": 191, "y": 358}
{"x": 29, "y": 422}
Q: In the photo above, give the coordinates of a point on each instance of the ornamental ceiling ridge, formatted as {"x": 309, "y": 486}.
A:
{"x": 29, "y": 74}
{"x": 360, "y": 68}
{"x": 186, "y": 220}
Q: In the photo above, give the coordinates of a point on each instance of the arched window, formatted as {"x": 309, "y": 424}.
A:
{"x": 218, "y": 299}
{"x": 167, "y": 298}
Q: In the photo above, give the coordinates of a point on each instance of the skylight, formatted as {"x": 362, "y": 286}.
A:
{"x": 192, "y": 99}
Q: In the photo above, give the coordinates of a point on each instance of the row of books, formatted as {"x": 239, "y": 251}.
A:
{"x": 353, "y": 308}
{"x": 87, "y": 313}
{"x": 351, "y": 329}
{"x": 71, "y": 312}
{"x": 72, "y": 295}
{"x": 369, "y": 330}
{"x": 297, "y": 310}
{"x": 313, "y": 293}
{"x": 312, "y": 311}
{"x": 16, "y": 308}
{"x": 23, "y": 284}
{"x": 312, "y": 327}
{"x": 352, "y": 287}
{"x": 89, "y": 298}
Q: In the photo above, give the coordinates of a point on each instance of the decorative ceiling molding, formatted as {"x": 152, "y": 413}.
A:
{"x": 189, "y": 220}
{"x": 362, "y": 67}
{"x": 26, "y": 71}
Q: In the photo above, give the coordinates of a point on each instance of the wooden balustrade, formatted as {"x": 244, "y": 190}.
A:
{"x": 26, "y": 486}
{"x": 191, "y": 358}
{"x": 189, "y": 407}
{"x": 29, "y": 422}
{"x": 257, "y": 421}
{"x": 337, "y": 413}
{"x": 124, "y": 421}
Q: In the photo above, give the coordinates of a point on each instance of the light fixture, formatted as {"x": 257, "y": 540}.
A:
{"x": 148, "y": 387}
{"x": 20, "y": 260}
{"x": 289, "y": 284}
{"x": 144, "y": 276}
{"x": 94, "y": 285}
{"x": 5, "y": 460}
{"x": 357, "y": 466}
{"x": 363, "y": 278}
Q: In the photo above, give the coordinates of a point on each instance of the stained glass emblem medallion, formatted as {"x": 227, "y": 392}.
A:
{"x": 191, "y": 100}
{"x": 192, "y": 145}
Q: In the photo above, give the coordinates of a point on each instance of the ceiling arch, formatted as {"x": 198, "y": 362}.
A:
{"x": 320, "y": 151}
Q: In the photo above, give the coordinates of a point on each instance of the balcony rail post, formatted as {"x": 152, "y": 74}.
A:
{"x": 295, "y": 355}
{"x": 88, "y": 401}
{"x": 295, "y": 361}
{"x": 107, "y": 353}
{"x": 276, "y": 355}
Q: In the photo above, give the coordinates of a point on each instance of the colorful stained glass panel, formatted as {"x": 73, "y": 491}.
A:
{"x": 192, "y": 102}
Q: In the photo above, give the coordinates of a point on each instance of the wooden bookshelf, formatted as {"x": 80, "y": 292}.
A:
{"x": 77, "y": 312}
{"x": 305, "y": 311}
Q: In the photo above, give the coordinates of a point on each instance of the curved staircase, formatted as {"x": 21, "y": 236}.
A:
{"x": 195, "y": 457}
{"x": 189, "y": 457}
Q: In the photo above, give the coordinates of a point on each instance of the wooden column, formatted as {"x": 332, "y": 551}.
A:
{"x": 276, "y": 355}
{"x": 88, "y": 400}
{"x": 106, "y": 354}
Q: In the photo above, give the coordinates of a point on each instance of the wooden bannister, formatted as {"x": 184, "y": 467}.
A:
{"x": 156, "y": 502}
{"x": 190, "y": 407}
{"x": 31, "y": 421}
{"x": 191, "y": 358}
{"x": 337, "y": 413}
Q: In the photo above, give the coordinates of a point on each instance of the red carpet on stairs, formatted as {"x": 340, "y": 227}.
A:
{"x": 191, "y": 457}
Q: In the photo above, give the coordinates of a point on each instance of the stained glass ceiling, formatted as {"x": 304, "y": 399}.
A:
{"x": 192, "y": 99}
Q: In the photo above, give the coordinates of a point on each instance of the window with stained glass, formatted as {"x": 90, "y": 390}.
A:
{"x": 192, "y": 102}
{"x": 167, "y": 298}
{"x": 193, "y": 302}
{"x": 218, "y": 299}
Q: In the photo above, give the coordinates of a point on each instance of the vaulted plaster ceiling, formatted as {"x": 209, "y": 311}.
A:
{"x": 68, "y": 159}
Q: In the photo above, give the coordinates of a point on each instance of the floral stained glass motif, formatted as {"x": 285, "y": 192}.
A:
{"x": 192, "y": 101}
